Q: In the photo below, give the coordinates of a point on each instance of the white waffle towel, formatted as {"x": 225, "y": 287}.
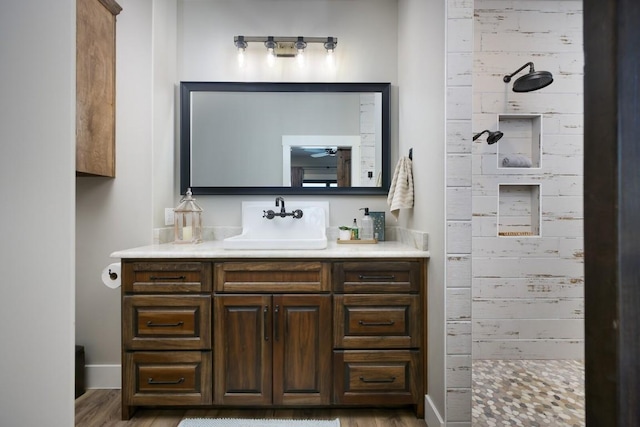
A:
{"x": 401, "y": 191}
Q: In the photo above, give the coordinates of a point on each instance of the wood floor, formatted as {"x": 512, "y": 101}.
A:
{"x": 102, "y": 408}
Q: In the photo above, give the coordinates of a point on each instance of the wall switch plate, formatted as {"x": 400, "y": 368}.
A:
{"x": 168, "y": 216}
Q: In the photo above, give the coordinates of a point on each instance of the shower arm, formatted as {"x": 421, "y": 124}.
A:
{"x": 476, "y": 136}
{"x": 507, "y": 79}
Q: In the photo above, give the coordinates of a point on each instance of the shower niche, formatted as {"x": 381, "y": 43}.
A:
{"x": 519, "y": 210}
{"x": 521, "y": 145}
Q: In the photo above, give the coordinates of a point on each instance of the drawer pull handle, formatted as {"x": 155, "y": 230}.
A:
{"x": 151, "y": 381}
{"x": 164, "y": 325}
{"x": 377, "y": 380}
{"x": 389, "y": 323}
{"x": 168, "y": 277}
{"x": 392, "y": 277}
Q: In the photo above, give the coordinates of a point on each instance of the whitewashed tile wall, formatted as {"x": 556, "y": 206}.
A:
{"x": 459, "y": 108}
{"x": 527, "y": 292}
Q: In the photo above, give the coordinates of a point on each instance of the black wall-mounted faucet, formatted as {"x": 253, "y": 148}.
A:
{"x": 270, "y": 214}
{"x": 280, "y": 202}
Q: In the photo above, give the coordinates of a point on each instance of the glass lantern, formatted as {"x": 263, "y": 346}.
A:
{"x": 188, "y": 220}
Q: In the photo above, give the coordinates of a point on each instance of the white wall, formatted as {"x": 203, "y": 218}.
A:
{"x": 37, "y": 136}
{"x": 421, "y": 112}
{"x": 367, "y": 32}
{"x": 113, "y": 214}
{"x": 373, "y": 40}
{"x": 528, "y": 291}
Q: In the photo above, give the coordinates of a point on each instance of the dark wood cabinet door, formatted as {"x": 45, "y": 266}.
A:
{"x": 301, "y": 349}
{"x": 242, "y": 349}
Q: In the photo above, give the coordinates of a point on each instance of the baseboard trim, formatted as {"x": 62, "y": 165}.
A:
{"x": 431, "y": 415}
{"x": 103, "y": 376}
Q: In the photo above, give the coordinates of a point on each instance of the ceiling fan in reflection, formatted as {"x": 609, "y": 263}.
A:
{"x": 325, "y": 152}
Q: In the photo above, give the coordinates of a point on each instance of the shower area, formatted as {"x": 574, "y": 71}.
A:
{"x": 527, "y": 217}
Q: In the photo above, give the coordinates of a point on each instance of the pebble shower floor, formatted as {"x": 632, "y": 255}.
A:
{"x": 529, "y": 393}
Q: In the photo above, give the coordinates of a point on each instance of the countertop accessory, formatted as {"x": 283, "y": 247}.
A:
{"x": 344, "y": 233}
{"x": 366, "y": 225}
{"x": 188, "y": 220}
{"x": 358, "y": 242}
{"x": 378, "y": 225}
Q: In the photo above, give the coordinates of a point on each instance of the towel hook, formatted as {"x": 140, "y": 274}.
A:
{"x": 411, "y": 153}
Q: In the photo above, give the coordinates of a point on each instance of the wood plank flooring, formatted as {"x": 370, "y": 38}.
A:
{"x": 102, "y": 408}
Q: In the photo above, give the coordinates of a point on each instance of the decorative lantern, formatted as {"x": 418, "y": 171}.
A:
{"x": 188, "y": 220}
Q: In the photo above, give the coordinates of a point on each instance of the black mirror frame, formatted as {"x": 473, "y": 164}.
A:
{"x": 186, "y": 88}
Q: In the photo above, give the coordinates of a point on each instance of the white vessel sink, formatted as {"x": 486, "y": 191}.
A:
{"x": 308, "y": 232}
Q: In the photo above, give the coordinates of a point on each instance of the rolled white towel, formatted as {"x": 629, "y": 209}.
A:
{"x": 516, "y": 161}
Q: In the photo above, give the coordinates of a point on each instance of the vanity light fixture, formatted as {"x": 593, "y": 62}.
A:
{"x": 271, "y": 45}
{"x": 330, "y": 47}
{"x": 300, "y": 45}
{"x": 286, "y": 47}
{"x": 241, "y": 45}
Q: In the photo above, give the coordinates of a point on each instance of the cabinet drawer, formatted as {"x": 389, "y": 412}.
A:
{"x": 166, "y": 322}
{"x": 273, "y": 277}
{"x": 376, "y": 321}
{"x": 376, "y": 377}
{"x": 376, "y": 277}
{"x": 163, "y": 277}
{"x": 167, "y": 378}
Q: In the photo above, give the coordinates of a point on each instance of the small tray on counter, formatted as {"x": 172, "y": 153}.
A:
{"x": 358, "y": 241}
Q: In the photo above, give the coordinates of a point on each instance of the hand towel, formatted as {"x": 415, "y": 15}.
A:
{"x": 401, "y": 190}
{"x": 516, "y": 161}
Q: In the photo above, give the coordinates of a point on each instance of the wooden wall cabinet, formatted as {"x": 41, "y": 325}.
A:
{"x": 95, "y": 87}
{"x": 256, "y": 333}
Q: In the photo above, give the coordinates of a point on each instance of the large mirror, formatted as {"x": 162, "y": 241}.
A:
{"x": 284, "y": 138}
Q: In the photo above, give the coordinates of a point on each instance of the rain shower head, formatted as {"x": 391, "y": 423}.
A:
{"x": 531, "y": 81}
{"x": 492, "y": 138}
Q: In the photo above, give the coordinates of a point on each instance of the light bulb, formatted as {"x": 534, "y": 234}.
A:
{"x": 271, "y": 57}
{"x": 330, "y": 57}
{"x": 240, "y": 57}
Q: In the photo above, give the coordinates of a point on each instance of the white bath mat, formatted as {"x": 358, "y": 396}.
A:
{"x": 242, "y": 422}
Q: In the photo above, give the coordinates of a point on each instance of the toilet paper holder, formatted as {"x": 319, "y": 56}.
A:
{"x": 113, "y": 275}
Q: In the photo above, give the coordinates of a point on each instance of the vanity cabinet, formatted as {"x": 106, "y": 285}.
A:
{"x": 272, "y": 349}
{"x": 377, "y": 328}
{"x": 166, "y": 334}
{"x": 273, "y": 332}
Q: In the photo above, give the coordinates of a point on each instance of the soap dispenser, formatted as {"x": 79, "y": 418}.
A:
{"x": 366, "y": 226}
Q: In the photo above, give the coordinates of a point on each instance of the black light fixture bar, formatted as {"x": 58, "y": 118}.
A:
{"x": 285, "y": 46}
{"x": 278, "y": 39}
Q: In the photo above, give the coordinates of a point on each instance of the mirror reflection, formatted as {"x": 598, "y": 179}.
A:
{"x": 286, "y": 138}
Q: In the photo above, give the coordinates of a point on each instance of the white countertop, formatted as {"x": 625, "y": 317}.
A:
{"x": 214, "y": 249}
